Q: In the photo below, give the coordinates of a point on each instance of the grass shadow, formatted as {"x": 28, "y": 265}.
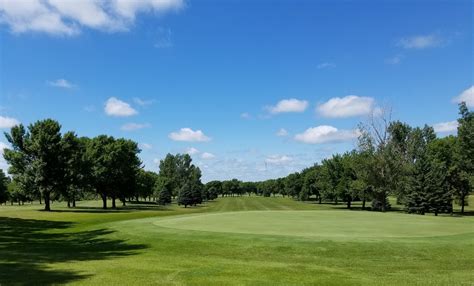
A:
{"x": 27, "y": 246}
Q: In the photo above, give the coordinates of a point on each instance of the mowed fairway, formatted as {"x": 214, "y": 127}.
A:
{"x": 232, "y": 241}
{"x": 319, "y": 224}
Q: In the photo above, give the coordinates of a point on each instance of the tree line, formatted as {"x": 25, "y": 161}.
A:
{"x": 46, "y": 165}
{"x": 425, "y": 173}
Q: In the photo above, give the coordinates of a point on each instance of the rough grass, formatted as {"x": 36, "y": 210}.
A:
{"x": 232, "y": 242}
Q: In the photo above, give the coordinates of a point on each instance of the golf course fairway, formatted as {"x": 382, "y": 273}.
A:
{"x": 232, "y": 241}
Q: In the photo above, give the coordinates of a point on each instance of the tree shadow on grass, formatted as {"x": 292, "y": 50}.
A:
{"x": 27, "y": 246}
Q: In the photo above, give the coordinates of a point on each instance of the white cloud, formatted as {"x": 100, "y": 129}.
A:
{"x": 8, "y": 122}
{"x": 420, "y": 42}
{"x": 282, "y": 132}
{"x": 146, "y": 146}
{"x": 134, "y": 126}
{"x": 289, "y": 105}
{"x": 62, "y": 83}
{"x": 445, "y": 127}
{"x": 116, "y": 107}
{"x": 326, "y": 65}
{"x": 143, "y": 102}
{"x": 207, "y": 156}
{"x": 189, "y": 135}
{"x": 348, "y": 106}
{"x": 192, "y": 151}
{"x": 278, "y": 159}
{"x": 59, "y": 17}
{"x": 325, "y": 134}
{"x": 466, "y": 96}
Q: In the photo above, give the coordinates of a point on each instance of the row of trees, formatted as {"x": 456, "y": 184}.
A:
{"x": 46, "y": 165}
{"x": 425, "y": 173}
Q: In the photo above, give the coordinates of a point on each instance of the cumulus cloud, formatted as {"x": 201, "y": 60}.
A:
{"x": 207, "y": 156}
{"x": 445, "y": 127}
{"x": 116, "y": 107}
{"x": 282, "y": 132}
{"x": 192, "y": 151}
{"x": 466, "y": 96}
{"x": 8, "y": 122}
{"x": 325, "y": 134}
{"x": 348, "y": 106}
{"x": 134, "y": 126}
{"x": 289, "y": 105}
{"x": 421, "y": 41}
{"x": 59, "y": 17}
{"x": 146, "y": 146}
{"x": 189, "y": 135}
{"x": 278, "y": 159}
{"x": 62, "y": 83}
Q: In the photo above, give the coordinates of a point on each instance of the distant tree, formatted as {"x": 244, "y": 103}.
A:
{"x": 77, "y": 168}
{"x": 465, "y": 155}
{"x": 99, "y": 152}
{"x": 186, "y": 195}
{"x": 428, "y": 189}
{"x": 293, "y": 184}
{"x": 164, "y": 195}
{"x": 196, "y": 185}
{"x": 169, "y": 172}
{"x": 125, "y": 167}
{"x": 212, "y": 190}
{"x": 145, "y": 184}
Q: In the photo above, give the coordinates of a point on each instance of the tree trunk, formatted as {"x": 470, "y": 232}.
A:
{"x": 47, "y": 202}
{"x": 363, "y": 203}
{"x": 40, "y": 200}
{"x": 73, "y": 202}
{"x": 320, "y": 199}
{"x": 113, "y": 202}
{"x": 463, "y": 200}
{"x": 68, "y": 203}
{"x": 104, "y": 201}
{"x": 349, "y": 203}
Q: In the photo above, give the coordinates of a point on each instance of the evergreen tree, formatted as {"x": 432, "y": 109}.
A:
{"x": 164, "y": 195}
{"x": 186, "y": 195}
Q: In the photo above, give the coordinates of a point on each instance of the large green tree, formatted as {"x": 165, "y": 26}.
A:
{"x": 36, "y": 156}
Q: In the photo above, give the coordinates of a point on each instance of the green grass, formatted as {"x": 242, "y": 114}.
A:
{"x": 233, "y": 241}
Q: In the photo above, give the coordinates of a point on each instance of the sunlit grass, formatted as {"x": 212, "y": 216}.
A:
{"x": 127, "y": 246}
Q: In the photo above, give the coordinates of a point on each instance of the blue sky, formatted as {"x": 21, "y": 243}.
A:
{"x": 252, "y": 89}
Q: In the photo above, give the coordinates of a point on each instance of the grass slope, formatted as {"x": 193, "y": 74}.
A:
{"x": 233, "y": 241}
